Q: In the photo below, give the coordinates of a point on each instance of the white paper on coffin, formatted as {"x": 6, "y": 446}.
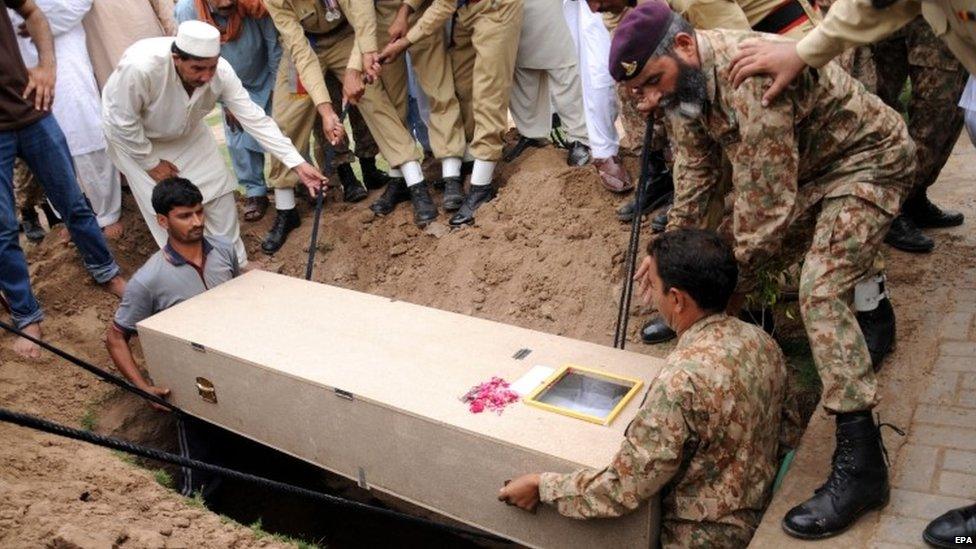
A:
{"x": 366, "y": 386}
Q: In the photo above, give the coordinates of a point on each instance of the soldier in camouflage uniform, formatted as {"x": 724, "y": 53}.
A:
{"x": 707, "y": 433}
{"x": 827, "y": 165}
{"x": 934, "y": 121}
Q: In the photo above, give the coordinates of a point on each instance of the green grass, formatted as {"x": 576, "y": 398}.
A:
{"x": 89, "y": 421}
{"x": 164, "y": 478}
{"x": 260, "y": 533}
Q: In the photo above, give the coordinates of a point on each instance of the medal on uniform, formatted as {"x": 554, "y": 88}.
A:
{"x": 332, "y": 12}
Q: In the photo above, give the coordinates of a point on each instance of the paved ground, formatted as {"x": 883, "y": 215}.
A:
{"x": 928, "y": 388}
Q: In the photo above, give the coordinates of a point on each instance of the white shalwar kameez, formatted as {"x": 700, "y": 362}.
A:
{"x": 599, "y": 92}
{"x": 76, "y": 105}
{"x": 148, "y": 117}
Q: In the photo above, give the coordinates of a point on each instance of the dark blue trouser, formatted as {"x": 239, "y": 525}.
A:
{"x": 45, "y": 150}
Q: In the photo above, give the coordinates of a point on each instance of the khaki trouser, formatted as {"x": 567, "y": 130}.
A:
{"x": 436, "y": 78}
{"x": 296, "y": 115}
{"x": 536, "y": 91}
{"x": 485, "y": 42}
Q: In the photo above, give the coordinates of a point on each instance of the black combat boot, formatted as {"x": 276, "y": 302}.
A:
{"x": 657, "y": 187}
{"x": 30, "y": 224}
{"x": 657, "y": 331}
{"x": 904, "y": 235}
{"x": 477, "y": 195}
{"x": 352, "y": 188}
{"x": 424, "y": 210}
{"x": 453, "y": 193}
{"x": 927, "y": 215}
{"x": 957, "y": 528}
{"x": 660, "y": 221}
{"x": 858, "y": 482}
{"x": 285, "y": 222}
{"x": 395, "y": 193}
{"x": 373, "y": 177}
{"x": 878, "y": 327}
{"x": 51, "y": 215}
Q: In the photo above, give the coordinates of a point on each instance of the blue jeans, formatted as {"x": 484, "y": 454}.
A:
{"x": 45, "y": 150}
{"x": 249, "y": 167}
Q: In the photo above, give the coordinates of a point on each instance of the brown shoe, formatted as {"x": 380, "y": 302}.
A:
{"x": 255, "y": 207}
{"x": 614, "y": 175}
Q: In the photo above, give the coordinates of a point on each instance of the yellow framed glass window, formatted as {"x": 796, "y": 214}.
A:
{"x": 584, "y": 393}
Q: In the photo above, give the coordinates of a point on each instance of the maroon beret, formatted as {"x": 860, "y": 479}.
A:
{"x": 636, "y": 38}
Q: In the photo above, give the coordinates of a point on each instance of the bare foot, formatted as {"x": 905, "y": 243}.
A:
{"x": 29, "y": 349}
{"x": 116, "y": 286}
{"x": 113, "y": 231}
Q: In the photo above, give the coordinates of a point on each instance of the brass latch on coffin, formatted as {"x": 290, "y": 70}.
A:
{"x": 206, "y": 390}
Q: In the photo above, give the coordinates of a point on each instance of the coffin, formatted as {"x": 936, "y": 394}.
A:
{"x": 369, "y": 388}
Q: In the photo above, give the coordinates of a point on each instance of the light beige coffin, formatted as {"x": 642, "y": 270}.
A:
{"x": 369, "y": 388}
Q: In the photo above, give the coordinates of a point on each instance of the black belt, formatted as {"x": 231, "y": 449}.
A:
{"x": 786, "y": 16}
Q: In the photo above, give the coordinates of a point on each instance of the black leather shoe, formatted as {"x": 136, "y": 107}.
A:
{"x": 467, "y": 166}
{"x": 285, "y": 222}
{"x": 878, "y": 327}
{"x": 905, "y": 236}
{"x": 657, "y": 331}
{"x": 657, "y": 190}
{"x": 477, "y": 195}
{"x": 395, "y": 193}
{"x": 352, "y": 189}
{"x": 453, "y": 193}
{"x": 958, "y": 524}
{"x": 373, "y": 177}
{"x": 520, "y": 146}
{"x": 858, "y": 482}
{"x": 30, "y": 225}
{"x": 927, "y": 215}
{"x": 660, "y": 221}
{"x": 424, "y": 210}
{"x": 578, "y": 155}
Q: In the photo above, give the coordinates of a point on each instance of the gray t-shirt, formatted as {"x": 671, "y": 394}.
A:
{"x": 168, "y": 278}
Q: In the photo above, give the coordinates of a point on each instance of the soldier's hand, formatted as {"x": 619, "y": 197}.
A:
{"x": 331, "y": 125}
{"x": 164, "y": 170}
{"x": 522, "y": 492}
{"x": 352, "y": 86}
{"x": 313, "y": 179}
{"x": 371, "y": 66}
{"x": 393, "y": 49}
{"x": 778, "y": 59}
{"x": 643, "y": 279}
{"x": 398, "y": 29}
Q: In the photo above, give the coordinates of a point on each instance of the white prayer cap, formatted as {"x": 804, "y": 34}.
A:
{"x": 198, "y": 38}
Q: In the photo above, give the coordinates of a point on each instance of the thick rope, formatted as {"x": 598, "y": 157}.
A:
{"x": 320, "y": 200}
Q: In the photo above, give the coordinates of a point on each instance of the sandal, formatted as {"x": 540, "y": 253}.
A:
{"x": 255, "y": 207}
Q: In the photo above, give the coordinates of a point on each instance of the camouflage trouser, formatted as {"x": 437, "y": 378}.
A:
{"x": 934, "y": 119}
{"x": 704, "y": 535}
{"x": 27, "y": 190}
{"x": 846, "y": 242}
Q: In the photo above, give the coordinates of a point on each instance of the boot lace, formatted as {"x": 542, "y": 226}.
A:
{"x": 842, "y": 462}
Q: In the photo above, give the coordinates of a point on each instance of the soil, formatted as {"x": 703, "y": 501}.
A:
{"x": 547, "y": 254}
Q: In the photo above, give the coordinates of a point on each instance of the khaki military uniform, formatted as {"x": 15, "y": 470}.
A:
{"x": 934, "y": 120}
{"x": 853, "y": 23}
{"x": 435, "y": 75}
{"x": 792, "y": 20}
{"x": 820, "y": 173}
{"x": 483, "y": 46}
{"x": 708, "y": 432}
{"x": 314, "y": 46}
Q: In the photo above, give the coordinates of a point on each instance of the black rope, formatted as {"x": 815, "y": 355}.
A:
{"x": 100, "y": 373}
{"x": 623, "y": 311}
{"x": 320, "y": 200}
{"x": 32, "y": 422}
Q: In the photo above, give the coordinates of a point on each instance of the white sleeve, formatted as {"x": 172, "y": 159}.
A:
{"x": 253, "y": 118}
{"x": 123, "y": 100}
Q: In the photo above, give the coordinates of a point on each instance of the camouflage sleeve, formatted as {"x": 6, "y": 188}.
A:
{"x": 649, "y": 456}
{"x": 697, "y": 172}
{"x": 765, "y": 167}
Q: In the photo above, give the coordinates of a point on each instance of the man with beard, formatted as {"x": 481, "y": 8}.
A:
{"x": 153, "y": 110}
{"x": 707, "y": 435}
{"x": 819, "y": 173}
{"x": 189, "y": 264}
